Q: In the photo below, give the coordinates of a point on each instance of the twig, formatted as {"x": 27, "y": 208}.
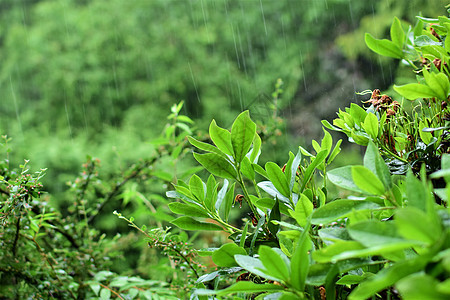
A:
{"x": 119, "y": 185}
{"x": 16, "y": 238}
{"x": 111, "y": 290}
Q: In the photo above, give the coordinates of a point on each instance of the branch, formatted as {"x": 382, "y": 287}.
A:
{"x": 119, "y": 185}
{"x": 16, "y": 238}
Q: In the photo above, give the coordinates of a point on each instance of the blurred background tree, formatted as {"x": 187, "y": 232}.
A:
{"x": 98, "y": 76}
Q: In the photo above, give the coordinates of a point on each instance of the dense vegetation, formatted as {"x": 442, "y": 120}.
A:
{"x": 277, "y": 230}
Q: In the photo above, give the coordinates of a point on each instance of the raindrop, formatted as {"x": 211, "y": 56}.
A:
{"x": 193, "y": 81}
{"x": 15, "y": 105}
{"x": 264, "y": 18}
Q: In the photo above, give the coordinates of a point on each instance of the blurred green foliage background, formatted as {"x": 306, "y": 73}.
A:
{"x": 98, "y": 77}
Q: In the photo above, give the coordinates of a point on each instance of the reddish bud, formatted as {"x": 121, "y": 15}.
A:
{"x": 239, "y": 199}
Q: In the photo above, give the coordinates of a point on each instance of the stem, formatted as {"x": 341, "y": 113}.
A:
{"x": 163, "y": 244}
{"x": 119, "y": 185}
{"x": 393, "y": 154}
{"x": 250, "y": 204}
{"x": 16, "y": 238}
{"x": 246, "y": 195}
{"x": 231, "y": 228}
{"x": 42, "y": 252}
{"x": 111, "y": 290}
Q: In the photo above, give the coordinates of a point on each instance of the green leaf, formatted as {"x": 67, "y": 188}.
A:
{"x": 327, "y": 141}
{"x": 188, "y": 223}
{"x": 388, "y": 277}
{"x": 335, "y": 152}
{"x": 425, "y": 40}
{"x": 353, "y": 279}
{"x": 268, "y": 203}
{"x": 244, "y": 234}
{"x": 221, "y": 195}
{"x": 375, "y": 163}
{"x": 224, "y": 256}
{"x": 221, "y": 138}
{"x": 358, "y": 113}
{"x": 417, "y": 194}
{"x": 105, "y": 294}
{"x": 211, "y": 192}
{"x": 278, "y": 179}
{"x": 328, "y": 253}
{"x": 242, "y": 287}
{"x": 397, "y": 33}
{"x": 247, "y": 169}
{"x": 420, "y": 286}
{"x": 342, "y": 177}
{"x": 413, "y": 91}
{"x": 256, "y": 149}
{"x": 371, "y": 125}
{"x": 292, "y": 172}
{"x": 228, "y": 204}
{"x": 242, "y": 134}
{"x": 269, "y": 188}
{"x": 367, "y": 181}
{"x": 95, "y": 287}
{"x": 383, "y": 47}
{"x": 374, "y": 233}
{"x": 274, "y": 216}
{"x": 197, "y": 188}
{"x": 286, "y": 244}
{"x": 254, "y": 265}
{"x": 188, "y": 210}
{"x": 300, "y": 260}
{"x": 216, "y": 165}
{"x": 205, "y": 147}
{"x": 438, "y": 82}
{"x": 320, "y": 157}
{"x": 303, "y": 210}
{"x": 339, "y": 209}
{"x": 274, "y": 263}
{"x": 260, "y": 170}
{"x": 409, "y": 227}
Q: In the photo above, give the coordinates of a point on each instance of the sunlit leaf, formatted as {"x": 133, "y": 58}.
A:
{"x": 224, "y": 256}
{"x": 221, "y": 138}
{"x": 216, "y": 165}
{"x": 383, "y": 47}
{"x": 242, "y": 134}
{"x": 188, "y": 223}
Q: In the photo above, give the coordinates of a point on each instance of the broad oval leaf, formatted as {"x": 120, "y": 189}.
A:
{"x": 205, "y": 147}
{"x": 413, "y": 91}
{"x": 438, "y": 82}
{"x": 303, "y": 209}
{"x": 274, "y": 263}
{"x": 269, "y": 188}
{"x": 188, "y": 210}
{"x": 241, "y": 287}
{"x": 277, "y": 177}
{"x": 338, "y": 209}
{"x": 254, "y": 265}
{"x": 342, "y": 177}
{"x": 367, "y": 181}
{"x": 374, "y": 233}
{"x": 242, "y": 134}
{"x": 221, "y": 138}
{"x": 188, "y": 223}
{"x": 224, "y": 256}
{"x": 383, "y": 47}
{"x": 371, "y": 125}
{"x": 397, "y": 33}
{"x": 375, "y": 163}
{"x": 197, "y": 188}
{"x": 216, "y": 165}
